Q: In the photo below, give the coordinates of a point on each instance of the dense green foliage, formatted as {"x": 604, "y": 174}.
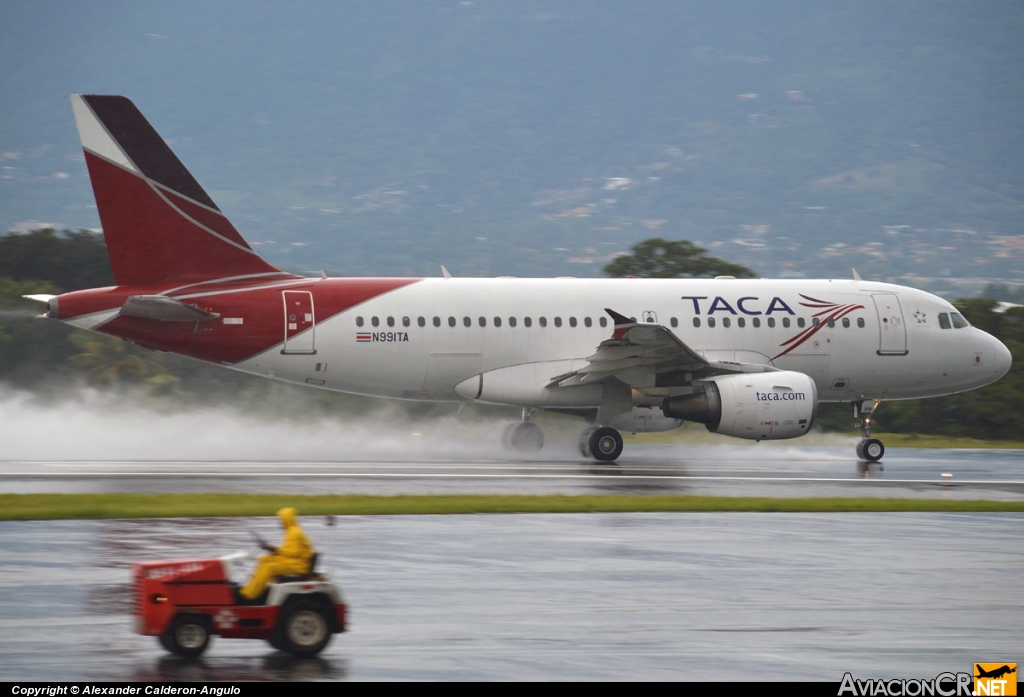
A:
{"x": 68, "y": 260}
{"x": 658, "y": 258}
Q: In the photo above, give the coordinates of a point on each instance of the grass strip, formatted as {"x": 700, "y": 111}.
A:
{"x": 92, "y": 506}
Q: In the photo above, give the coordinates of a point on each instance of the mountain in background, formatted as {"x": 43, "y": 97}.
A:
{"x": 542, "y": 138}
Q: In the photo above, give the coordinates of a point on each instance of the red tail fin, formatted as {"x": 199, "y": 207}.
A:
{"x": 158, "y": 222}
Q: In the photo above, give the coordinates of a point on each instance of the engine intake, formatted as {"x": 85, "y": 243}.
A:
{"x": 755, "y": 406}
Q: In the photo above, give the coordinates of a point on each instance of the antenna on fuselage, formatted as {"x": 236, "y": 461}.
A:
{"x": 856, "y": 276}
{"x": 444, "y": 272}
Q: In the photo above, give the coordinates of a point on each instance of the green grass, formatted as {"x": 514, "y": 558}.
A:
{"x": 84, "y": 506}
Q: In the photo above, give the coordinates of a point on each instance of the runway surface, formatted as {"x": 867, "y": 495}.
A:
{"x": 702, "y": 596}
{"x": 720, "y": 470}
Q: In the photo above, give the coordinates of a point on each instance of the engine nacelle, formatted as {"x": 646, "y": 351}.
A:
{"x": 755, "y": 406}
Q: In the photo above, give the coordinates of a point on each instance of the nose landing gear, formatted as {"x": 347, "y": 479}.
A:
{"x": 869, "y": 449}
{"x": 523, "y": 437}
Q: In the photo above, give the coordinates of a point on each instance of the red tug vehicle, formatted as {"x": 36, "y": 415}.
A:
{"x": 184, "y": 602}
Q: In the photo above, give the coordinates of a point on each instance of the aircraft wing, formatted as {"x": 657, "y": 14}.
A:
{"x": 640, "y": 352}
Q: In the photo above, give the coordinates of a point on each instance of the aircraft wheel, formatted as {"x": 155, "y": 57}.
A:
{"x": 605, "y": 444}
{"x": 506, "y": 436}
{"x": 523, "y": 437}
{"x": 872, "y": 450}
{"x": 584, "y": 443}
{"x": 860, "y": 451}
{"x": 188, "y": 636}
{"x": 305, "y": 628}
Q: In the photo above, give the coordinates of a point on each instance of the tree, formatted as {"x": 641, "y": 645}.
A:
{"x": 658, "y": 258}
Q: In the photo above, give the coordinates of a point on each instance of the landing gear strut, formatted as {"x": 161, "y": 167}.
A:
{"x": 870, "y": 449}
{"x": 523, "y": 436}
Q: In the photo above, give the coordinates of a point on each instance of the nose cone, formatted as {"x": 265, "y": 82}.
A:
{"x": 1001, "y": 358}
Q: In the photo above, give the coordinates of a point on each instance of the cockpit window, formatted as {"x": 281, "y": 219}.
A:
{"x": 943, "y": 320}
{"x": 958, "y": 321}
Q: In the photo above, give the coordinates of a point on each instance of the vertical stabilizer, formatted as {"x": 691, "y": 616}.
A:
{"x": 158, "y": 222}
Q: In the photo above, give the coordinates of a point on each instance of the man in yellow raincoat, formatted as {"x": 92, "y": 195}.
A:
{"x": 293, "y": 556}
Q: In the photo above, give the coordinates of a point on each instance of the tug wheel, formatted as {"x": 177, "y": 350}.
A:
{"x": 304, "y": 628}
{"x": 188, "y": 636}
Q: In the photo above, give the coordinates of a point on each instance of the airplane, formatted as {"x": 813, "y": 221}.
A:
{"x": 748, "y": 358}
{"x": 994, "y": 673}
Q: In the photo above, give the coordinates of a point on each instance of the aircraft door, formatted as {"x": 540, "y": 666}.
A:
{"x": 299, "y": 322}
{"x": 892, "y": 330}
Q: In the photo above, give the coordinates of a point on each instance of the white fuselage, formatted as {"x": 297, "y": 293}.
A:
{"x": 885, "y": 350}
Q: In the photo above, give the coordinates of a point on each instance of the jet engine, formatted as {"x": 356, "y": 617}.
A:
{"x": 755, "y": 406}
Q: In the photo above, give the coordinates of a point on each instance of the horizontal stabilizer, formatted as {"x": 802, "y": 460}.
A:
{"x": 40, "y": 298}
{"x": 164, "y": 309}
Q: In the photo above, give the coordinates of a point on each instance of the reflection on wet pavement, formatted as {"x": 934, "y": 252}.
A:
{"x": 710, "y": 470}
{"x": 599, "y": 596}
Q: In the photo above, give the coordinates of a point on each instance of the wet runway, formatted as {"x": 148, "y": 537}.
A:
{"x": 599, "y": 596}
{"x": 720, "y": 470}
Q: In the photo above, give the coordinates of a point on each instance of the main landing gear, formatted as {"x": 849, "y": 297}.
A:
{"x": 523, "y": 437}
{"x": 869, "y": 449}
{"x": 604, "y": 443}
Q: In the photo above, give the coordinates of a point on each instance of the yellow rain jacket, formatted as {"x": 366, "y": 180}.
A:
{"x": 293, "y": 556}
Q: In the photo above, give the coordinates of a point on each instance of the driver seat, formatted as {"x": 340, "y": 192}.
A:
{"x": 311, "y": 575}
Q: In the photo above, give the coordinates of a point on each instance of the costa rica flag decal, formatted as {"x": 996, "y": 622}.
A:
{"x": 363, "y": 337}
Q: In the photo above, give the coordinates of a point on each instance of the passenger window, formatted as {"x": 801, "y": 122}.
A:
{"x": 711, "y": 322}
{"x": 558, "y": 321}
{"x": 359, "y": 321}
{"x": 846, "y": 322}
{"x": 405, "y": 322}
{"x": 860, "y": 322}
{"x": 958, "y": 321}
{"x": 726, "y": 322}
{"x": 800, "y": 322}
{"x": 527, "y": 322}
{"x": 943, "y": 320}
{"x": 572, "y": 321}
{"x": 421, "y": 321}
{"x": 391, "y": 321}
{"x": 696, "y": 322}
{"x": 511, "y": 321}
{"x": 483, "y": 321}
{"x": 587, "y": 322}
{"x": 437, "y": 321}
{"x": 603, "y": 321}
{"x": 466, "y": 321}
{"x": 374, "y": 321}
{"x": 741, "y": 323}
{"x": 816, "y": 322}
{"x": 497, "y": 321}
{"x": 785, "y": 322}
{"x": 543, "y": 321}
{"x": 771, "y": 322}
{"x": 674, "y": 322}
{"x": 831, "y": 323}
{"x": 451, "y": 321}
{"x": 757, "y": 322}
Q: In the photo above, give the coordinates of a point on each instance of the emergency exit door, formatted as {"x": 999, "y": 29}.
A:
{"x": 892, "y": 330}
{"x": 299, "y": 322}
